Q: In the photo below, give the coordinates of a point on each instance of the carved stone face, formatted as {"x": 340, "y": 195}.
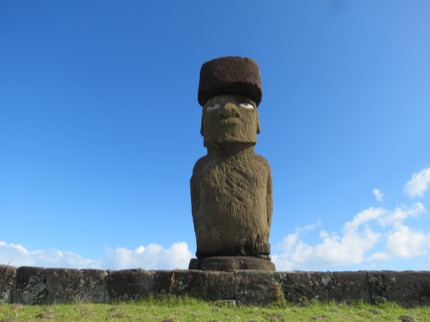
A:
{"x": 230, "y": 118}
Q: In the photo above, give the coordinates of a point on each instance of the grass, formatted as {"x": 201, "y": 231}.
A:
{"x": 187, "y": 309}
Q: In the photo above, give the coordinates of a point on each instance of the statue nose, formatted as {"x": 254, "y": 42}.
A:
{"x": 228, "y": 110}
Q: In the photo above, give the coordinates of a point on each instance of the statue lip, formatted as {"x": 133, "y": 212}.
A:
{"x": 230, "y": 120}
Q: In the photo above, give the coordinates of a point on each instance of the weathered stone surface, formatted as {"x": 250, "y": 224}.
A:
{"x": 349, "y": 286}
{"x": 230, "y": 75}
{"x": 164, "y": 283}
{"x": 304, "y": 287}
{"x": 407, "y": 288}
{"x": 7, "y": 277}
{"x": 35, "y": 285}
{"x": 232, "y": 205}
{"x": 232, "y": 263}
{"x": 206, "y": 285}
{"x": 62, "y": 285}
{"x": 130, "y": 284}
{"x": 257, "y": 287}
{"x": 94, "y": 286}
{"x": 30, "y": 286}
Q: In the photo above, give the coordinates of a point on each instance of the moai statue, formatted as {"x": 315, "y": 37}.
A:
{"x": 231, "y": 187}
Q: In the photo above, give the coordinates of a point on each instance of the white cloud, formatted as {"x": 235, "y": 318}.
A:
{"x": 379, "y": 196}
{"x": 334, "y": 249}
{"x": 362, "y": 218}
{"x": 380, "y": 256}
{"x": 18, "y": 255}
{"x": 151, "y": 257}
{"x": 292, "y": 250}
{"x": 347, "y": 249}
{"x": 418, "y": 185}
{"x": 373, "y": 235}
{"x": 400, "y": 214}
{"x": 358, "y": 241}
{"x": 404, "y": 242}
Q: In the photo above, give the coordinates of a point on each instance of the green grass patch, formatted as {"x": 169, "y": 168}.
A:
{"x": 189, "y": 309}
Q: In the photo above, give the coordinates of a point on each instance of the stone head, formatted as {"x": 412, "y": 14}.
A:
{"x": 230, "y": 118}
{"x": 230, "y": 92}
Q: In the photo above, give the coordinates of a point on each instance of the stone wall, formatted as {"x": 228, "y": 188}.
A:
{"x": 34, "y": 285}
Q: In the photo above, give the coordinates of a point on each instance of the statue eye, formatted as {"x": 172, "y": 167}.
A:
{"x": 213, "y": 107}
{"x": 247, "y": 106}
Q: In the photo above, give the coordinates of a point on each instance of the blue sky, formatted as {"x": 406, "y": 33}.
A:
{"x": 100, "y": 129}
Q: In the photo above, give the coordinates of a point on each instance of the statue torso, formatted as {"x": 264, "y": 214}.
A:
{"x": 232, "y": 205}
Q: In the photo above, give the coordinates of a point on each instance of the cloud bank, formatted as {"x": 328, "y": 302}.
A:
{"x": 375, "y": 235}
{"x": 18, "y": 255}
{"x": 358, "y": 243}
{"x": 151, "y": 257}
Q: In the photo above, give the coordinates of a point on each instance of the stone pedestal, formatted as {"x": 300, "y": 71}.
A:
{"x": 232, "y": 263}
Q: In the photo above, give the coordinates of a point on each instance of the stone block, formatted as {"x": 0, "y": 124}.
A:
{"x": 257, "y": 287}
{"x": 130, "y": 284}
{"x": 63, "y": 285}
{"x": 163, "y": 283}
{"x": 304, "y": 287}
{"x": 349, "y": 287}
{"x": 7, "y": 277}
{"x": 408, "y": 288}
{"x": 30, "y": 286}
{"x": 94, "y": 286}
{"x": 204, "y": 285}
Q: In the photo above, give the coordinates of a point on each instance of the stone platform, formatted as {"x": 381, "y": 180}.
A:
{"x": 34, "y": 285}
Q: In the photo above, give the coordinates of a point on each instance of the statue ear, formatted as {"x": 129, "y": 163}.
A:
{"x": 258, "y": 124}
{"x": 202, "y": 128}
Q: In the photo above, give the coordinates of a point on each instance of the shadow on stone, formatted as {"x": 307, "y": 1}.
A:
{"x": 408, "y": 288}
{"x": 130, "y": 284}
{"x": 7, "y": 277}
